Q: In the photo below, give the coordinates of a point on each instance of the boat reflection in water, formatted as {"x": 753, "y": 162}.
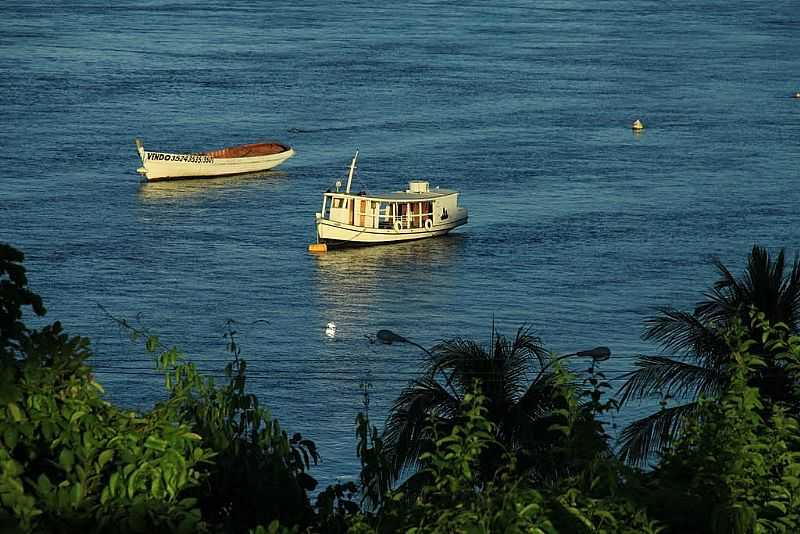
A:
{"x": 409, "y": 283}
{"x": 206, "y": 187}
{"x": 410, "y": 288}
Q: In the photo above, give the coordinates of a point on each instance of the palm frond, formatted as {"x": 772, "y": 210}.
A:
{"x": 723, "y": 301}
{"x": 407, "y": 433}
{"x": 642, "y": 439}
{"x": 529, "y": 419}
{"x": 790, "y": 297}
{"x": 529, "y": 345}
{"x": 503, "y": 371}
{"x": 764, "y": 284}
{"x": 684, "y": 333}
{"x": 463, "y": 360}
{"x": 662, "y": 375}
{"x": 763, "y": 279}
{"x": 728, "y": 288}
{"x": 521, "y": 353}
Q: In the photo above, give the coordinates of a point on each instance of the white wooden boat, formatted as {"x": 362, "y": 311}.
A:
{"x": 232, "y": 160}
{"x": 369, "y": 219}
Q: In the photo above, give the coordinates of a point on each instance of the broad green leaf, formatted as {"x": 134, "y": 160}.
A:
{"x": 112, "y": 484}
{"x": 77, "y": 494}
{"x": 155, "y": 443}
{"x": 66, "y": 459}
{"x": 778, "y": 506}
{"x": 16, "y": 413}
{"x": 105, "y": 457}
{"x": 43, "y": 484}
{"x": 77, "y": 415}
{"x": 133, "y": 480}
{"x": 155, "y": 487}
{"x": 152, "y": 343}
{"x": 10, "y": 437}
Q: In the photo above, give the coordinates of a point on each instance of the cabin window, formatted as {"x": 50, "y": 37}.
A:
{"x": 337, "y": 202}
{"x": 427, "y": 212}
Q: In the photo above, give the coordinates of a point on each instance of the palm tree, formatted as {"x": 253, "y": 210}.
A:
{"x": 698, "y": 350}
{"x": 522, "y": 386}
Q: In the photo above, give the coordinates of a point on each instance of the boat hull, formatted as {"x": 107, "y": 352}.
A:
{"x": 165, "y": 166}
{"x": 340, "y": 234}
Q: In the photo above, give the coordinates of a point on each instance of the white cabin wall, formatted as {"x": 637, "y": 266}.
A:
{"x": 340, "y": 210}
{"x": 449, "y": 203}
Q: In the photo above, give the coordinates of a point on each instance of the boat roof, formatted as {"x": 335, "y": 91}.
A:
{"x": 400, "y": 196}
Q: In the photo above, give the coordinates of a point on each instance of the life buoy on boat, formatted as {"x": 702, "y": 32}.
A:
{"x": 398, "y": 225}
{"x": 428, "y": 224}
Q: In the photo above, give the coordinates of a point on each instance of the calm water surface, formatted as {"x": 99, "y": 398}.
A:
{"x": 577, "y": 226}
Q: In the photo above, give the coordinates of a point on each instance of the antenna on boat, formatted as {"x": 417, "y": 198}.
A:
{"x": 350, "y": 175}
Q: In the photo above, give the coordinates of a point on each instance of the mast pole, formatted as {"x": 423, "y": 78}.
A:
{"x": 350, "y": 174}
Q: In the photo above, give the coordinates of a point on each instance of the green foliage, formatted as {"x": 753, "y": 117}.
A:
{"x": 585, "y": 490}
{"x": 273, "y": 528}
{"x": 581, "y": 453}
{"x": 69, "y": 460}
{"x": 207, "y": 458}
{"x": 14, "y": 297}
{"x": 259, "y": 473}
{"x": 699, "y": 350}
{"x": 525, "y": 397}
{"x": 493, "y": 450}
{"x": 736, "y": 465}
{"x": 376, "y": 462}
{"x": 576, "y": 512}
{"x": 336, "y": 507}
{"x": 455, "y": 497}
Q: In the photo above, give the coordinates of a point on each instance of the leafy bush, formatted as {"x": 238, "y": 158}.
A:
{"x": 69, "y": 460}
{"x": 455, "y": 497}
{"x": 736, "y": 466}
{"x": 259, "y": 474}
{"x": 208, "y": 458}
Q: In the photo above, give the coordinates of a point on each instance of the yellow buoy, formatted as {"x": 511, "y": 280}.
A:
{"x": 318, "y": 248}
{"x": 637, "y": 125}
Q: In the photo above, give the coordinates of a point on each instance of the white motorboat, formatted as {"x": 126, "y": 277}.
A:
{"x": 369, "y": 219}
{"x": 238, "y": 159}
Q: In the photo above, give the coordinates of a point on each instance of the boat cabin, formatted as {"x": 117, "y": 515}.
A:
{"x": 418, "y": 207}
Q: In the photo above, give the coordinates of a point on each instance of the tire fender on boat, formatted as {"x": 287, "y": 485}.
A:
{"x": 428, "y": 224}
{"x": 398, "y": 226}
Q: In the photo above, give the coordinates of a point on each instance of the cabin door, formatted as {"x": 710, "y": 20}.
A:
{"x": 362, "y": 213}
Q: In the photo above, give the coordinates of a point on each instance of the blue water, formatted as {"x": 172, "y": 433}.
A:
{"x": 578, "y": 227}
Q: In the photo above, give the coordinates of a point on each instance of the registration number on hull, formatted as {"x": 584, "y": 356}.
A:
{"x": 187, "y": 158}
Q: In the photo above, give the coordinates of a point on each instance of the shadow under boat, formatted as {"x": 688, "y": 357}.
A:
{"x": 153, "y": 191}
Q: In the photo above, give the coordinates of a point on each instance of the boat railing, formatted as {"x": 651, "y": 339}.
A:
{"x": 374, "y": 218}
{"x": 416, "y": 220}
